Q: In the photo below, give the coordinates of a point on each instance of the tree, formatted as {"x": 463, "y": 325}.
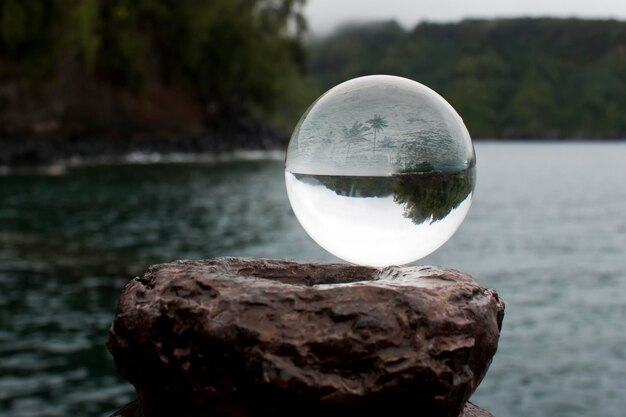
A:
{"x": 354, "y": 134}
{"x": 507, "y": 78}
{"x": 431, "y": 196}
{"x": 387, "y": 143}
{"x": 233, "y": 54}
{"x": 377, "y": 124}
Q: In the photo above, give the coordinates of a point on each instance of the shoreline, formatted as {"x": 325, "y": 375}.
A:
{"x": 245, "y": 136}
{"x": 55, "y": 157}
{"x": 60, "y": 167}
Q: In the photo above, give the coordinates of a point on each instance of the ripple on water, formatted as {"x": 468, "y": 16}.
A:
{"x": 542, "y": 231}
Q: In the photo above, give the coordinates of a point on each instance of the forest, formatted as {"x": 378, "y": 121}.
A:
{"x": 112, "y": 67}
{"x": 170, "y": 69}
{"x": 512, "y": 78}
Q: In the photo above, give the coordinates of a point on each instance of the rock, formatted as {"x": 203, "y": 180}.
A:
{"x": 259, "y": 337}
{"x": 472, "y": 410}
{"x": 133, "y": 409}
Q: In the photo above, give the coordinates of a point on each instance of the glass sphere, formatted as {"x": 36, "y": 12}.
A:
{"x": 380, "y": 171}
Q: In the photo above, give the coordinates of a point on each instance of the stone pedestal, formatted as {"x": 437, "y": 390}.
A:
{"x": 134, "y": 410}
{"x": 260, "y": 337}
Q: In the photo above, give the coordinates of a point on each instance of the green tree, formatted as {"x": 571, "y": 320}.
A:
{"x": 507, "y": 78}
{"x": 233, "y": 54}
{"x": 431, "y": 196}
{"x": 377, "y": 124}
{"x": 356, "y": 133}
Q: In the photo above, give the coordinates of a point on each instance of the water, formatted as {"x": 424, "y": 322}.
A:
{"x": 381, "y": 221}
{"x": 547, "y": 229}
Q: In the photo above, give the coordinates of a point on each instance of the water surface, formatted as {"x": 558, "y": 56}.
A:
{"x": 547, "y": 229}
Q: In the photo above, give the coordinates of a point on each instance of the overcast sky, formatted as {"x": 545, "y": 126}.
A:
{"x": 324, "y": 15}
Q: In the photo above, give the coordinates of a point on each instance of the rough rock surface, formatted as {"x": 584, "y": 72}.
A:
{"x": 259, "y": 337}
{"x": 472, "y": 410}
{"x": 134, "y": 410}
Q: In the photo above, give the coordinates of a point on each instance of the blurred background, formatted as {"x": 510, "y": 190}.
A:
{"x": 138, "y": 132}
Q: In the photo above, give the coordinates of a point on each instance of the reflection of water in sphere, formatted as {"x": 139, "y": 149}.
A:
{"x": 380, "y": 170}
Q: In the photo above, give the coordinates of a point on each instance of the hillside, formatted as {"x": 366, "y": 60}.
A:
{"x": 512, "y": 78}
{"x": 101, "y": 77}
{"x": 95, "y": 78}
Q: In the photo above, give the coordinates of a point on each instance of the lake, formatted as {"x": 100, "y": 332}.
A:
{"x": 547, "y": 229}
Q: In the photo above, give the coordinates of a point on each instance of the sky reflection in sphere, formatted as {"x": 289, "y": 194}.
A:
{"x": 380, "y": 171}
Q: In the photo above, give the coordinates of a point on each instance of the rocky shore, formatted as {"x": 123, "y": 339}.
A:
{"x": 92, "y": 122}
{"x": 245, "y": 133}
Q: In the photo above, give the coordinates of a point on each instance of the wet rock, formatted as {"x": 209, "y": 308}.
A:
{"x": 259, "y": 337}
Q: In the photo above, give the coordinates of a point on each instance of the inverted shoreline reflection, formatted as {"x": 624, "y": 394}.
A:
{"x": 379, "y": 221}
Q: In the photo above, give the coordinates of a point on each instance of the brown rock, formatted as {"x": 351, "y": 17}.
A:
{"x": 258, "y": 337}
{"x": 472, "y": 410}
{"x": 134, "y": 410}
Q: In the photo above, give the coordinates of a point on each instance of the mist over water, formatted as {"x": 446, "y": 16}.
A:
{"x": 547, "y": 229}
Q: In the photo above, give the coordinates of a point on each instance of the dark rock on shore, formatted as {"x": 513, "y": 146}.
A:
{"x": 255, "y": 337}
{"x": 91, "y": 121}
{"x": 238, "y": 132}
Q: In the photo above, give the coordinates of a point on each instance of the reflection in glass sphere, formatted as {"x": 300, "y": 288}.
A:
{"x": 380, "y": 171}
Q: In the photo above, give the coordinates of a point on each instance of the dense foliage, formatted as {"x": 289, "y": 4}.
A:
{"x": 520, "y": 78}
{"x": 524, "y": 78}
{"x": 232, "y": 53}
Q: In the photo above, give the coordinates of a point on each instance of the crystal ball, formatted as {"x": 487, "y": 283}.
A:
{"x": 380, "y": 171}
